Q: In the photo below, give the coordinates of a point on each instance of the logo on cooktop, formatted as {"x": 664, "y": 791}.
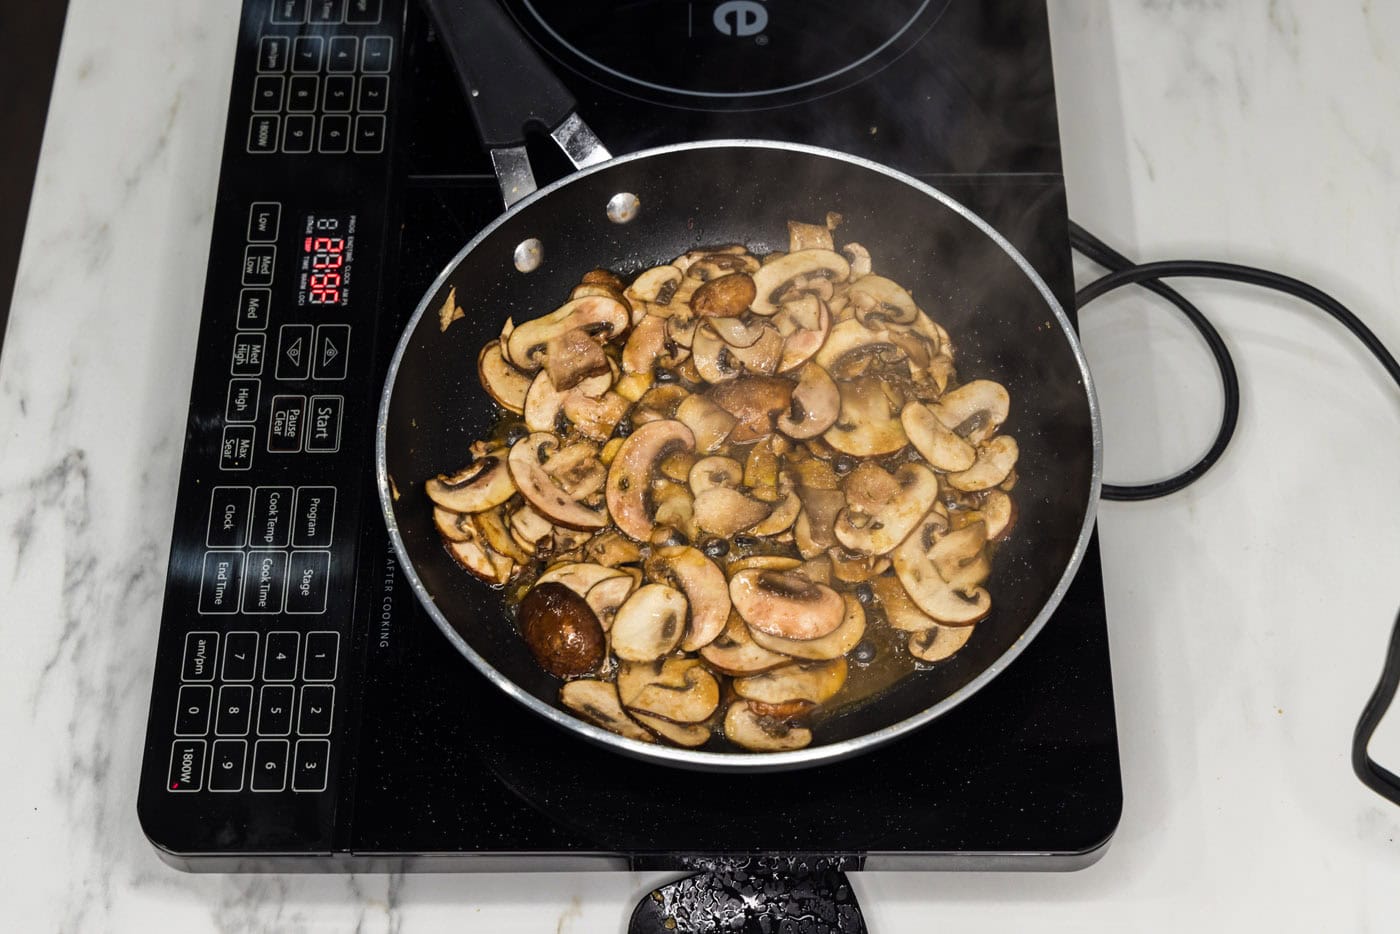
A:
{"x": 740, "y": 17}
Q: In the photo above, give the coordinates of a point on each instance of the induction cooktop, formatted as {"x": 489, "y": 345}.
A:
{"x": 305, "y": 713}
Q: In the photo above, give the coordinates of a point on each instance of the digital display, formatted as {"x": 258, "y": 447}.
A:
{"x": 327, "y": 249}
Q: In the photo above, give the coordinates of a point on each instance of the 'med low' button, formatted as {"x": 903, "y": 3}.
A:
{"x": 323, "y": 424}
{"x": 258, "y": 264}
{"x": 186, "y": 765}
{"x": 307, "y": 576}
{"x": 220, "y": 582}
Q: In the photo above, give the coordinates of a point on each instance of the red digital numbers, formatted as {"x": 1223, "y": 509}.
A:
{"x": 327, "y": 257}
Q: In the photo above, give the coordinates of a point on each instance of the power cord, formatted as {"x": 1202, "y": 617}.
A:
{"x": 1123, "y": 272}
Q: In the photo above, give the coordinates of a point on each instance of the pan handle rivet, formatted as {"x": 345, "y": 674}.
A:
{"x": 529, "y": 254}
{"x": 623, "y": 206}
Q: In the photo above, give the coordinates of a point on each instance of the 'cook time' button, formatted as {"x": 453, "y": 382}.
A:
{"x": 307, "y": 581}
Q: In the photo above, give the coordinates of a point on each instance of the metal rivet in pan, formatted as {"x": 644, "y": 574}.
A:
{"x": 623, "y": 206}
{"x": 529, "y": 254}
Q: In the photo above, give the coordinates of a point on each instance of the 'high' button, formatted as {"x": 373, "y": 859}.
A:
{"x": 307, "y": 583}
{"x": 242, "y": 404}
{"x": 315, "y": 517}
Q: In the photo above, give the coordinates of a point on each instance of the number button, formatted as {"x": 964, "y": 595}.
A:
{"x": 365, "y": 12}
{"x": 226, "y": 765}
{"x": 300, "y": 132}
{"x": 335, "y": 133}
{"x": 240, "y": 656}
{"x": 235, "y": 710}
{"x": 339, "y": 95}
{"x": 192, "y": 712}
{"x": 374, "y": 94}
{"x": 275, "y": 710}
{"x": 314, "y": 716}
{"x": 377, "y": 55}
{"x": 327, "y": 11}
{"x": 322, "y": 648}
{"x": 343, "y": 52}
{"x": 369, "y": 134}
{"x": 306, "y": 53}
{"x": 310, "y": 763}
{"x": 267, "y": 94}
{"x": 270, "y": 765}
{"x": 292, "y": 12}
{"x": 301, "y": 94}
{"x": 280, "y": 657}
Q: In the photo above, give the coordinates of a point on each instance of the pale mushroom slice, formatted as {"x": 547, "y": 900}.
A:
{"x": 875, "y": 526}
{"x": 528, "y": 527}
{"x": 596, "y": 702}
{"x": 629, "y": 486}
{"x": 974, "y": 410}
{"x": 851, "y": 341}
{"x": 579, "y": 576}
{"x": 454, "y": 526}
{"x": 677, "y": 689}
{"x": 815, "y": 682}
{"x": 709, "y": 423}
{"x": 481, "y": 560}
{"x": 706, "y": 591}
{"x": 868, "y": 424}
{"x": 852, "y": 568}
{"x": 785, "y": 510}
{"x": 598, "y": 317}
{"x": 502, "y": 382}
{"x": 745, "y": 728}
{"x": 933, "y": 595}
{"x": 938, "y": 443}
{"x": 649, "y": 624}
{"x": 900, "y": 610}
{"x": 814, "y": 528}
{"x": 682, "y": 734}
{"x": 938, "y": 642}
{"x": 960, "y": 556}
{"x": 804, "y": 326}
{"x": 725, "y": 512}
{"x": 774, "y": 279}
{"x": 998, "y": 511}
{"x": 544, "y": 402}
{"x": 784, "y": 604}
{"x": 879, "y": 301}
{"x": 607, "y": 596}
{"x": 859, "y": 258}
{"x": 815, "y": 405}
{"x": 739, "y": 332}
{"x": 595, "y": 418}
{"x": 527, "y": 468}
{"x": 717, "y": 361}
{"x": 484, "y": 483}
{"x": 715, "y": 472}
{"x": 808, "y": 236}
{"x": 654, "y": 286}
{"x": 734, "y": 652}
{"x": 833, "y": 645}
{"x": 995, "y": 458}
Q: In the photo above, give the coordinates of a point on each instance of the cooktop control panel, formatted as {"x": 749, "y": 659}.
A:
{"x": 250, "y": 698}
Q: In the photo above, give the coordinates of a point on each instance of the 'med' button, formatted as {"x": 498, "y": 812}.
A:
{"x": 306, "y": 581}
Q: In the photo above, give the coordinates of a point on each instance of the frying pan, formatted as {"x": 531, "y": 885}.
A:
{"x": 1005, "y": 324}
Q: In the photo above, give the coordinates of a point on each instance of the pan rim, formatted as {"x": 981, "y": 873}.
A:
{"x": 744, "y": 762}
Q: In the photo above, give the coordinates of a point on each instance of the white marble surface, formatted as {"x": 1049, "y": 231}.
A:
{"x": 1248, "y": 614}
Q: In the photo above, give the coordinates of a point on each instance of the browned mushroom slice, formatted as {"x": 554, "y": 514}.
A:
{"x": 745, "y": 728}
{"x": 595, "y": 418}
{"x": 450, "y": 310}
{"x": 735, "y": 653}
{"x": 761, "y": 471}
{"x": 763, "y": 563}
{"x": 596, "y": 702}
{"x": 724, "y": 512}
{"x": 492, "y": 523}
{"x": 938, "y": 443}
{"x": 808, "y": 237}
{"x": 454, "y": 526}
{"x": 781, "y": 603}
{"x": 709, "y": 423}
{"x": 601, "y": 318}
{"x": 678, "y": 689}
{"x": 544, "y": 403}
{"x": 850, "y": 342}
{"x": 654, "y": 286}
{"x": 939, "y": 642}
{"x": 998, "y": 511}
{"x": 482, "y": 484}
{"x": 611, "y": 549}
{"x": 804, "y": 326}
{"x": 672, "y": 509}
{"x": 572, "y": 356}
{"x": 629, "y": 489}
{"x": 682, "y": 734}
{"x": 816, "y": 682}
{"x": 527, "y": 468}
{"x": 739, "y": 332}
{"x": 816, "y": 403}
{"x": 785, "y": 510}
{"x": 832, "y": 645}
{"x": 960, "y": 556}
{"x": 607, "y": 596}
{"x": 914, "y": 565}
{"x": 502, "y": 382}
{"x": 528, "y": 527}
{"x": 649, "y": 346}
{"x": 717, "y": 361}
{"x": 756, "y": 401}
{"x": 649, "y": 624}
{"x": 878, "y": 301}
{"x": 706, "y": 591}
{"x": 774, "y": 279}
{"x": 726, "y": 296}
{"x": 868, "y": 425}
{"x": 900, "y": 609}
{"x": 478, "y": 558}
{"x": 853, "y": 568}
{"x": 579, "y": 576}
{"x": 815, "y": 526}
{"x": 974, "y": 410}
{"x": 995, "y": 458}
{"x": 875, "y": 524}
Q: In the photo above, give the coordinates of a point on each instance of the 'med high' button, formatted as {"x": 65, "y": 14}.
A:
{"x": 220, "y": 582}
{"x": 307, "y": 581}
{"x": 315, "y": 517}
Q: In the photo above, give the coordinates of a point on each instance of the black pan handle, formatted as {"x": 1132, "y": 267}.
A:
{"x": 509, "y": 88}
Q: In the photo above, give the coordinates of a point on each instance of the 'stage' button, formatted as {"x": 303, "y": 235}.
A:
{"x": 307, "y": 583}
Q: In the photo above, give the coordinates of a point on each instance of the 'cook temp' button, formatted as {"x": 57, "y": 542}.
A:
{"x": 219, "y": 585}
{"x": 307, "y": 581}
{"x": 272, "y": 509}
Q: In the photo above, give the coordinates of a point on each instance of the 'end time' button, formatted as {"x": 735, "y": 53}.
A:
{"x": 220, "y": 582}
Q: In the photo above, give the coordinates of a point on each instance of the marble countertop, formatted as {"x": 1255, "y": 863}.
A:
{"x": 1247, "y": 615}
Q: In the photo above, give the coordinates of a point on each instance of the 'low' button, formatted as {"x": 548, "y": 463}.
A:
{"x": 323, "y": 424}
{"x": 228, "y": 516}
{"x": 310, "y": 762}
{"x": 186, "y": 765}
{"x": 332, "y": 351}
{"x": 219, "y": 585}
{"x": 201, "y": 652}
{"x": 285, "y": 423}
{"x": 264, "y": 219}
{"x": 307, "y": 581}
{"x": 315, "y": 517}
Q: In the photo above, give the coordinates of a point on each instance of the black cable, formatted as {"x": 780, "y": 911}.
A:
{"x": 1149, "y": 275}
{"x": 1099, "y": 252}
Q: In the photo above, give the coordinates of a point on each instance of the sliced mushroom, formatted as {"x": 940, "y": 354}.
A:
{"x": 763, "y": 563}
{"x": 649, "y": 624}
{"x": 761, "y": 472}
{"x": 995, "y": 458}
{"x": 717, "y": 361}
{"x": 685, "y": 261}
{"x": 960, "y": 556}
{"x": 756, "y": 401}
{"x": 482, "y": 484}
{"x": 873, "y": 526}
{"x": 734, "y": 651}
{"x": 596, "y": 702}
{"x": 999, "y": 512}
{"x": 815, "y": 526}
{"x": 739, "y": 332}
{"x": 527, "y": 468}
{"x": 544, "y": 403}
{"x": 784, "y": 512}
{"x": 673, "y": 510}
{"x": 878, "y": 300}
{"x": 571, "y": 357}
{"x": 833, "y": 645}
{"x": 974, "y": 410}
{"x": 492, "y": 523}
{"x": 450, "y": 310}
{"x": 480, "y": 560}
{"x": 816, "y": 682}
{"x": 629, "y": 478}
{"x": 774, "y": 279}
{"x": 713, "y": 472}
{"x": 650, "y": 346}
{"x": 933, "y": 595}
{"x": 725, "y": 512}
{"x": 859, "y": 258}
{"x": 852, "y": 568}
{"x": 808, "y": 237}
{"x": 605, "y": 597}
{"x": 632, "y": 386}
{"x": 868, "y": 424}
{"x": 502, "y": 382}
{"x": 454, "y": 526}
{"x": 815, "y": 405}
{"x": 938, "y": 642}
{"x": 528, "y": 527}
{"x": 709, "y": 423}
{"x": 850, "y": 341}
{"x": 706, "y": 591}
{"x": 595, "y": 418}
{"x": 602, "y": 318}
{"x": 804, "y": 326}
{"x": 781, "y": 603}
{"x": 938, "y": 443}
{"x": 726, "y": 296}
{"x": 900, "y": 609}
{"x": 579, "y": 576}
{"x": 654, "y": 286}
{"x": 745, "y": 728}
{"x": 678, "y": 689}
{"x": 682, "y": 734}
{"x": 611, "y": 549}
